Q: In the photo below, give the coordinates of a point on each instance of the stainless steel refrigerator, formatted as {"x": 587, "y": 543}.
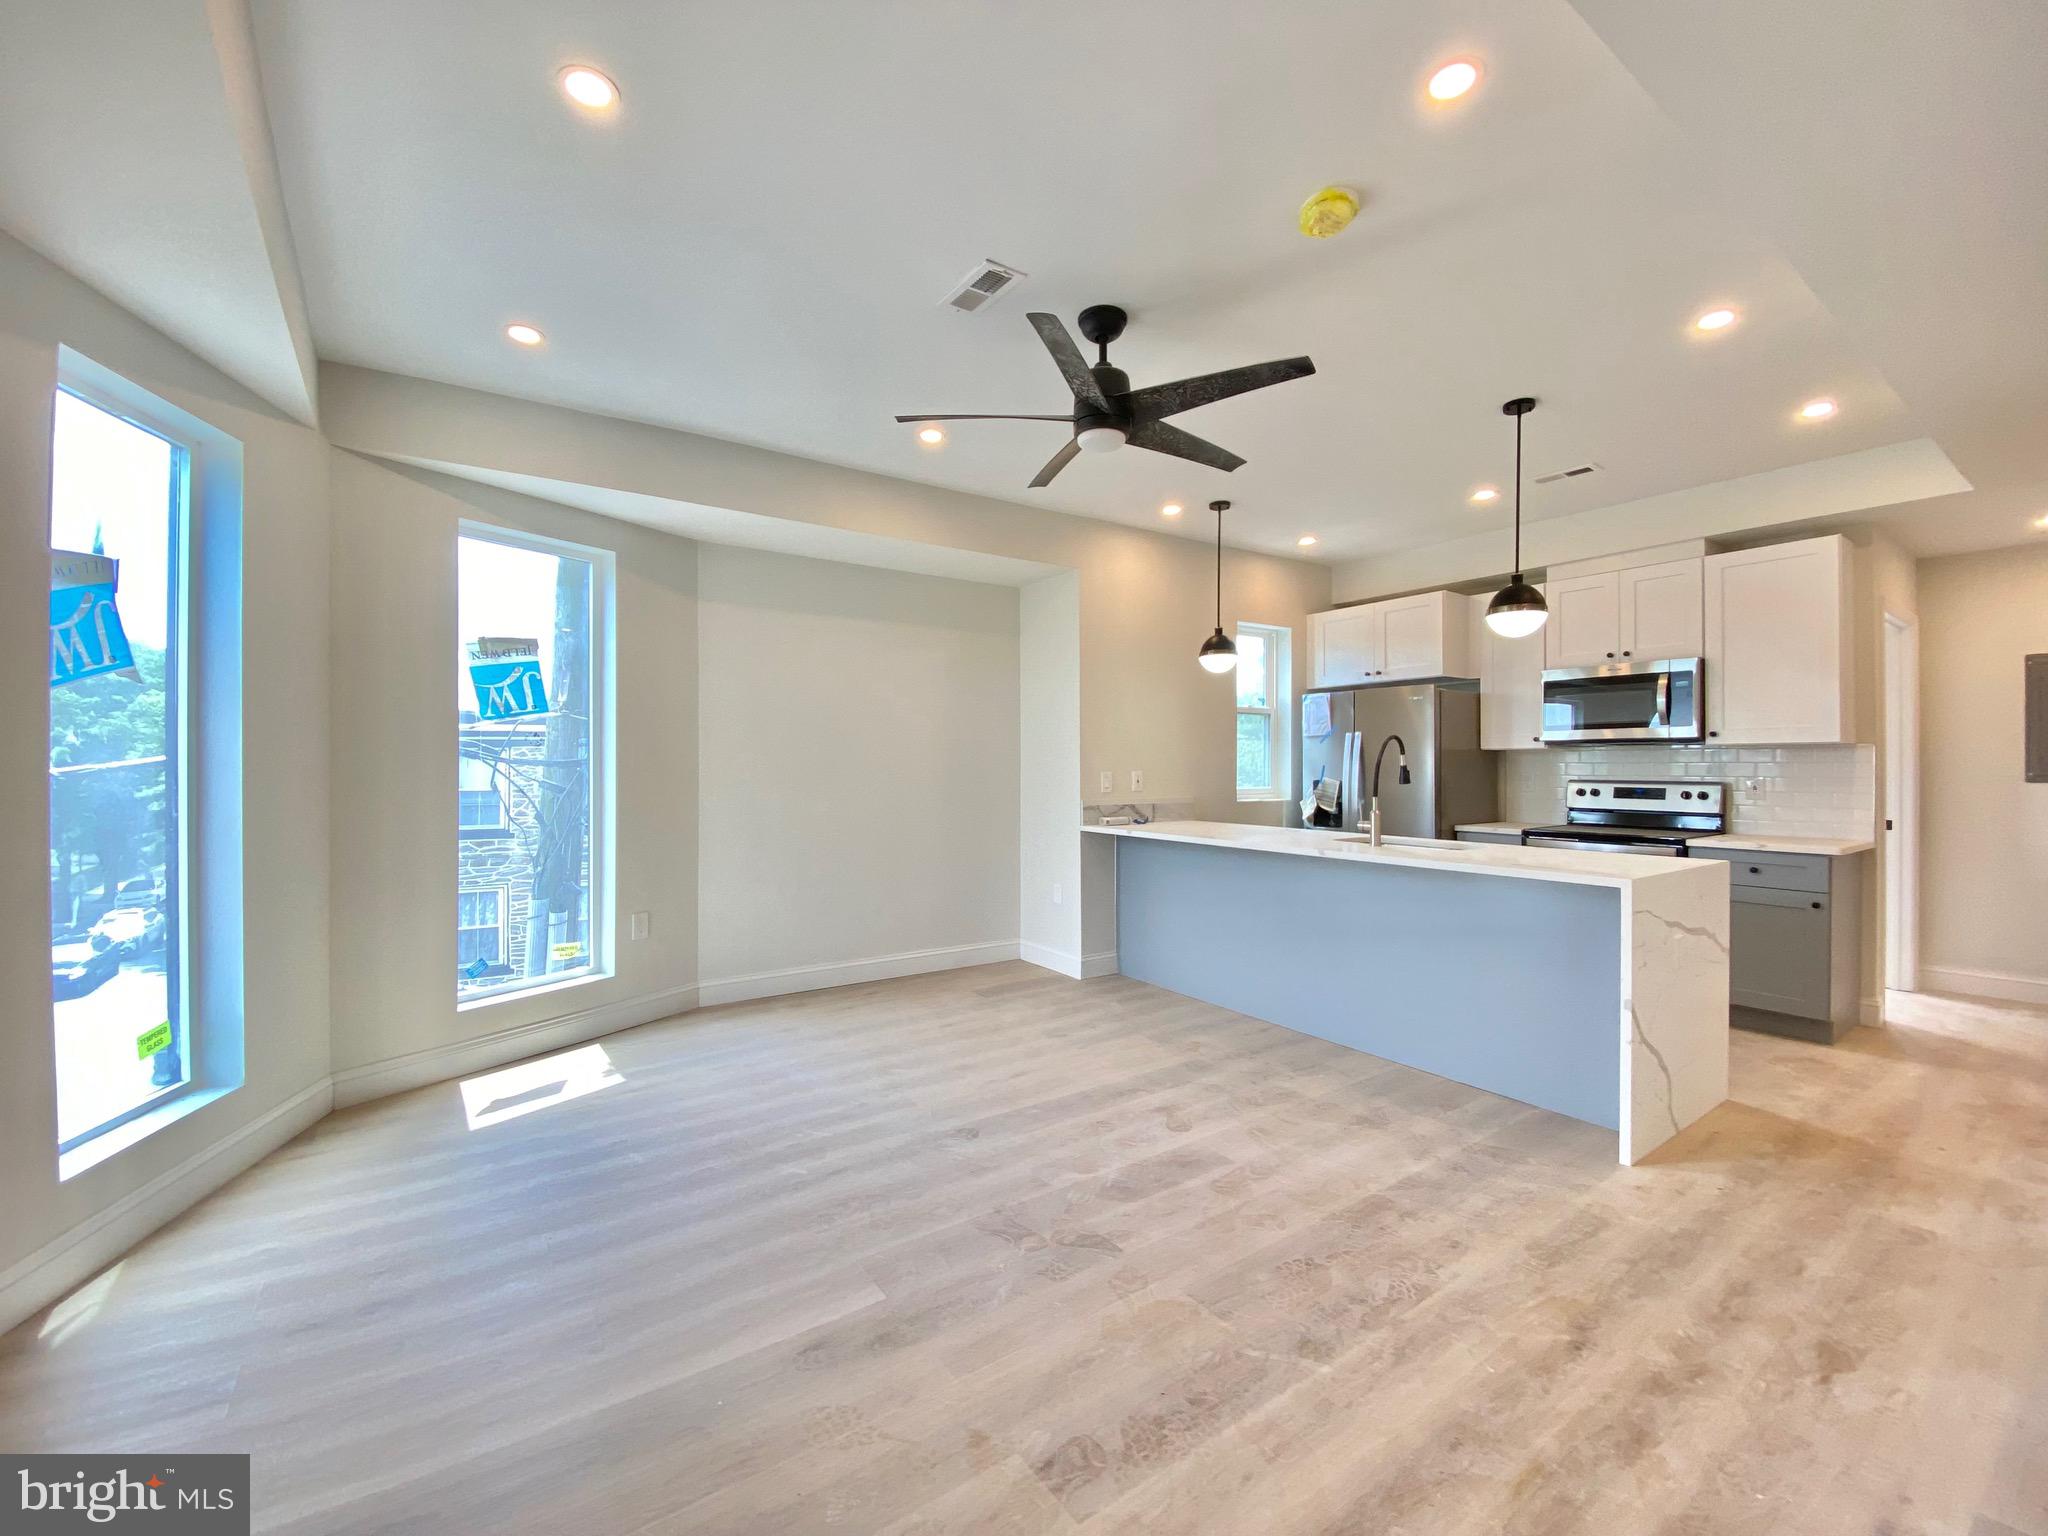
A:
{"x": 1451, "y": 781}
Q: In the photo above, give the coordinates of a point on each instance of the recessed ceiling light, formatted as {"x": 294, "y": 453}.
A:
{"x": 1171, "y": 509}
{"x": 930, "y": 435}
{"x": 1715, "y": 320}
{"x": 2041, "y": 522}
{"x": 1817, "y": 410}
{"x": 587, "y": 88}
{"x": 1306, "y": 540}
{"x": 1453, "y": 80}
{"x": 1485, "y": 493}
{"x": 525, "y": 335}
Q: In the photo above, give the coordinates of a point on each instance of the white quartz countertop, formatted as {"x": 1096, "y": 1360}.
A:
{"x": 1747, "y": 842}
{"x": 1738, "y": 842}
{"x": 1622, "y": 871}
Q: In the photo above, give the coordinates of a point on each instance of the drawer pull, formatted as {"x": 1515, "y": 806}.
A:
{"x": 1816, "y": 906}
{"x": 1754, "y": 870}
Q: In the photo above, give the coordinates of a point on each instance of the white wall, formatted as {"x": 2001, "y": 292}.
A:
{"x": 1984, "y": 845}
{"x": 396, "y": 1023}
{"x": 49, "y": 1229}
{"x": 1144, "y": 605}
{"x": 857, "y": 771}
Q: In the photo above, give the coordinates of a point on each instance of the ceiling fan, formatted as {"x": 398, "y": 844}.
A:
{"x": 1108, "y": 413}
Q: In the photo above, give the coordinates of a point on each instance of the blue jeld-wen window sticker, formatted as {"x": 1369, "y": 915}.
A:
{"x": 505, "y": 672}
{"x": 86, "y": 637}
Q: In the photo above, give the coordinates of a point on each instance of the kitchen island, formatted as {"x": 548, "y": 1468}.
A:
{"x": 1592, "y": 984}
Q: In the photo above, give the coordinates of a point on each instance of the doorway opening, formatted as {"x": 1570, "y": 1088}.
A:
{"x": 1901, "y": 835}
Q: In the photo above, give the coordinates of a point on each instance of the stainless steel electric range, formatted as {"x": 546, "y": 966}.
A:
{"x": 1634, "y": 816}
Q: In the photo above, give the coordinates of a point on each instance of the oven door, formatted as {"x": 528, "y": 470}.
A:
{"x": 1628, "y": 701}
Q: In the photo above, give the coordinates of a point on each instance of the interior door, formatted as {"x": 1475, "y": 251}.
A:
{"x": 1661, "y": 611}
{"x": 1584, "y": 629}
{"x": 1412, "y": 636}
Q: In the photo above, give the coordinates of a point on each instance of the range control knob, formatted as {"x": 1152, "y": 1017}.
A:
{"x": 1596, "y": 792}
{"x": 1685, "y": 794}
{"x": 1580, "y": 793}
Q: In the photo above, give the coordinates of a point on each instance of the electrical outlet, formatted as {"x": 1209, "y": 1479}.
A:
{"x": 1137, "y": 780}
{"x": 640, "y": 925}
{"x": 1108, "y": 782}
{"x": 1056, "y": 896}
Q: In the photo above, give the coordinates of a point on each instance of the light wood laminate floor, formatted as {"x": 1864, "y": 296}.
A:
{"x": 994, "y": 1251}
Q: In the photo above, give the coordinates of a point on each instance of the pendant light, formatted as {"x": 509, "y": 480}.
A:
{"x": 1517, "y": 609}
{"x": 1219, "y": 652}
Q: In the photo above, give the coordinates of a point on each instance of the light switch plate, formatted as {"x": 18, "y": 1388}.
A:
{"x": 640, "y": 925}
{"x": 1108, "y": 782}
{"x": 1137, "y": 780}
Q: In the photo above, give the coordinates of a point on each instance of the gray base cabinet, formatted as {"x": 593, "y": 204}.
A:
{"x": 1793, "y": 961}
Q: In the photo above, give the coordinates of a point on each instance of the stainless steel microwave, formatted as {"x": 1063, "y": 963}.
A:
{"x": 1626, "y": 701}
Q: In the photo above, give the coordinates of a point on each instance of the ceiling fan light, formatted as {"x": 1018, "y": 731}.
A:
{"x": 1101, "y": 439}
{"x": 1218, "y": 653}
{"x": 1517, "y": 609}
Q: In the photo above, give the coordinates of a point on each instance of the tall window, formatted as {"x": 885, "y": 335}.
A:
{"x": 530, "y": 741}
{"x": 1261, "y": 711}
{"x": 118, "y": 503}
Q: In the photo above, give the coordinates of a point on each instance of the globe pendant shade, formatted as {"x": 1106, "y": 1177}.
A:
{"x": 1517, "y": 609}
{"x": 1218, "y": 654}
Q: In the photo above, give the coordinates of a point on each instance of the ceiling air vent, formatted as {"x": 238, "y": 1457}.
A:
{"x": 1573, "y": 473}
{"x": 981, "y": 286}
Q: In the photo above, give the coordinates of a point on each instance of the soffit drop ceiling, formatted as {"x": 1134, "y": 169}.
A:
{"x": 756, "y": 244}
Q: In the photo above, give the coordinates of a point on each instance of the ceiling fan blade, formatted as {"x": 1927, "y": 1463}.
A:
{"x": 1163, "y": 438}
{"x": 1068, "y": 418}
{"x": 1056, "y": 463}
{"x": 1157, "y": 400}
{"x": 1073, "y": 367}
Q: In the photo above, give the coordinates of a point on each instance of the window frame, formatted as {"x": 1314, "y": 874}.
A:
{"x": 127, "y": 404}
{"x": 1279, "y": 677}
{"x": 599, "y": 943}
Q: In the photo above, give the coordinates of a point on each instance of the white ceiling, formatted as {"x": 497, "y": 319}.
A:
{"x": 755, "y": 244}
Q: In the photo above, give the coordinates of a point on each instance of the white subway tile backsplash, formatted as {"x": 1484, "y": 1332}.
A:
{"x": 1819, "y": 791}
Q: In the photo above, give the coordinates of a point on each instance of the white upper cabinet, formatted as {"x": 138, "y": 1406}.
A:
{"x": 1510, "y": 684}
{"x": 1397, "y": 640}
{"x": 1345, "y": 646}
{"x": 1634, "y": 613}
{"x": 1777, "y": 644}
{"x": 1661, "y": 612}
{"x": 1584, "y": 628}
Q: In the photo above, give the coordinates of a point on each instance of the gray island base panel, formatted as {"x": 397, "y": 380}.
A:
{"x": 1594, "y": 985}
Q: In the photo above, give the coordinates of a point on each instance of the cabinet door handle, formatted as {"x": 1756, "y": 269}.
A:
{"x": 1816, "y": 906}
{"x": 1713, "y": 733}
{"x": 1610, "y": 655}
{"x": 1754, "y": 870}
{"x": 1628, "y": 653}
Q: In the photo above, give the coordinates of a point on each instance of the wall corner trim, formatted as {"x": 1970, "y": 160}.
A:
{"x": 64, "y": 1263}
{"x": 1991, "y": 984}
{"x": 1080, "y": 967}
{"x": 813, "y": 978}
{"x": 418, "y": 1069}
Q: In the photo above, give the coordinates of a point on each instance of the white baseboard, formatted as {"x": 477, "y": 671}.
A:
{"x": 1080, "y": 967}
{"x": 395, "y": 1074}
{"x": 812, "y": 978}
{"x": 2010, "y": 989}
{"x": 1870, "y": 1011}
{"x": 67, "y": 1261}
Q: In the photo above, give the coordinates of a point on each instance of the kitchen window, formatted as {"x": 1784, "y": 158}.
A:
{"x": 533, "y": 631}
{"x": 118, "y": 509}
{"x": 1262, "y": 673}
